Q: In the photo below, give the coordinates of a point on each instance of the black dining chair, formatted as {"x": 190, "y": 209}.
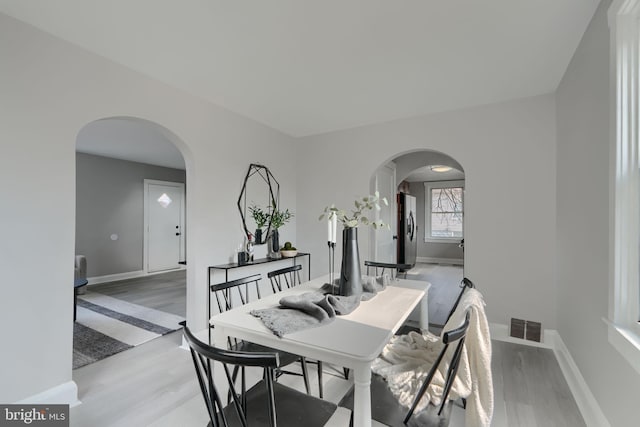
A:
{"x": 380, "y": 268}
{"x": 267, "y": 403}
{"x": 386, "y": 409}
{"x": 239, "y": 292}
{"x": 286, "y": 278}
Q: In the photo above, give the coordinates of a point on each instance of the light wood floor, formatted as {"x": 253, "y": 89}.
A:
{"x": 165, "y": 292}
{"x": 154, "y": 385}
{"x": 445, "y": 288}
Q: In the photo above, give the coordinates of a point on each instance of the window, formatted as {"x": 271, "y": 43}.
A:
{"x": 444, "y": 211}
{"x": 624, "y": 306}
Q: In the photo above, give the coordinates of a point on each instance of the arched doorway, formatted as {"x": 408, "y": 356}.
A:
{"x": 425, "y": 190}
{"x": 121, "y": 162}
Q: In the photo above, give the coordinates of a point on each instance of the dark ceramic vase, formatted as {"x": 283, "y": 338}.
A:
{"x": 350, "y": 278}
{"x": 259, "y": 236}
{"x": 275, "y": 242}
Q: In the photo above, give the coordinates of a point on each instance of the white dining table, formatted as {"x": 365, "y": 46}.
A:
{"x": 352, "y": 341}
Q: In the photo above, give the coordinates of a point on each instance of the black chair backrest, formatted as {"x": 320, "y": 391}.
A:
{"x": 381, "y": 267}
{"x": 203, "y": 355}
{"x": 236, "y": 292}
{"x": 464, "y": 284}
{"x": 285, "y": 278}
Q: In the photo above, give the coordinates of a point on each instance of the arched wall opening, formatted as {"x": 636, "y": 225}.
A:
{"x": 412, "y": 173}
{"x": 425, "y": 191}
{"x": 117, "y": 160}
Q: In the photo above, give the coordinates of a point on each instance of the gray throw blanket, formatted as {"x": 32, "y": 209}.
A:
{"x": 311, "y": 309}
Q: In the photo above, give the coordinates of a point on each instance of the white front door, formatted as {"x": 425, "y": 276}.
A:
{"x": 164, "y": 217}
{"x": 384, "y": 245}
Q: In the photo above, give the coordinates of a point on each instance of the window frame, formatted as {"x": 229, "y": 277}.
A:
{"x": 624, "y": 291}
{"x": 428, "y": 186}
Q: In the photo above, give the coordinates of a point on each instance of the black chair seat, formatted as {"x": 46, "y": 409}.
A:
{"x": 292, "y": 408}
{"x": 386, "y": 410}
{"x": 284, "y": 357}
{"x": 265, "y": 404}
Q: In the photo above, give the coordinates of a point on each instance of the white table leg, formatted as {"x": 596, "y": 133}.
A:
{"x": 424, "y": 313}
{"x": 362, "y": 396}
{"x": 219, "y": 337}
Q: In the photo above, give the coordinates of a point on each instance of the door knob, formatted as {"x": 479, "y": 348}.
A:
{"x": 177, "y": 234}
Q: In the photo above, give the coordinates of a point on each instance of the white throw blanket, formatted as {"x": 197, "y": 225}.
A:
{"x": 406, "y": 360}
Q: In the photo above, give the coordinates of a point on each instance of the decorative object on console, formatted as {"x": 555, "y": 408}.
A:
{"x": 249, "y": 247}
{"x": 288, "y": 250}
{"x": 278, "y": 219}
{"x": 350, "y": 275}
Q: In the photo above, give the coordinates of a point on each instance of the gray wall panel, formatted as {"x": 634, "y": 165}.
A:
{"x": 109, "y": 200}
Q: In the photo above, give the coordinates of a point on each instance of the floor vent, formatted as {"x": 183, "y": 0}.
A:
{"x": 517, "y": 328}
{"x": 533, "y": 331}
{"x": 526, "y": 329}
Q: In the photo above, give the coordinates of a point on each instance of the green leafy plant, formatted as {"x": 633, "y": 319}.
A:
{"x": 280, "y": 218}
{"x": 356, "y": 217}
{"x": 259, "y": 216}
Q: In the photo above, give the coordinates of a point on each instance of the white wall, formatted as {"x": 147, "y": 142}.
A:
{"x": 50, "y": 90}
{"x": 583, "y": 102}
{"x": 510, "y": 252}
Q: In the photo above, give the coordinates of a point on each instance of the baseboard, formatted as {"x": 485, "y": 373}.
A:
{"x": 432, "y": 260}
{"x": 65, "y": 393}
{"x": 587, "y": 403}
{"x": 124, "y": 276}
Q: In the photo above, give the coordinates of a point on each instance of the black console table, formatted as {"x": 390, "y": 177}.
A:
{"x": 235, "y": 265}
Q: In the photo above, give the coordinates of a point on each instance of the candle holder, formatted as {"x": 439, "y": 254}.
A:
{"x": 332, "y": 262}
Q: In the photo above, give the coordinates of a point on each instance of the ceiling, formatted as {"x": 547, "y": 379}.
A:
{"x": 426, "y": 174}
{"x": 307, "y": 67}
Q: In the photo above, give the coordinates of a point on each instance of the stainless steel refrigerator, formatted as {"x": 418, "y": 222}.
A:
{"x": 407, "y": 229}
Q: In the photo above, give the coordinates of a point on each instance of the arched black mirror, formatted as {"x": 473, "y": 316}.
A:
{"x": 259, "y": 197}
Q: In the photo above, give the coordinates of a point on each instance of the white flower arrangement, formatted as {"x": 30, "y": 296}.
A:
{"x": 356, "y": 217}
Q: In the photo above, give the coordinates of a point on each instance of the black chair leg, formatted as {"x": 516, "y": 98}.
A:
{"x": 425, "y": 385}
{"x": 305, "y": 374}
{"x": 453, "y": 370}
{"x": 320, "y": 389}
{"x": 234, "y": 377}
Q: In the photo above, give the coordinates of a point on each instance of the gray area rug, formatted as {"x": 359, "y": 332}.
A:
{"x": 90, "y": 345}
{"x": 445, "y": 287}
{"x": 106, "y": 326}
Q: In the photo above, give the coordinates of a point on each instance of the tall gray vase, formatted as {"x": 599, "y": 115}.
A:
{"x": 275, "y": 241}
{"x": 350, "y": 278}
{"x": 274, "y": 245}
